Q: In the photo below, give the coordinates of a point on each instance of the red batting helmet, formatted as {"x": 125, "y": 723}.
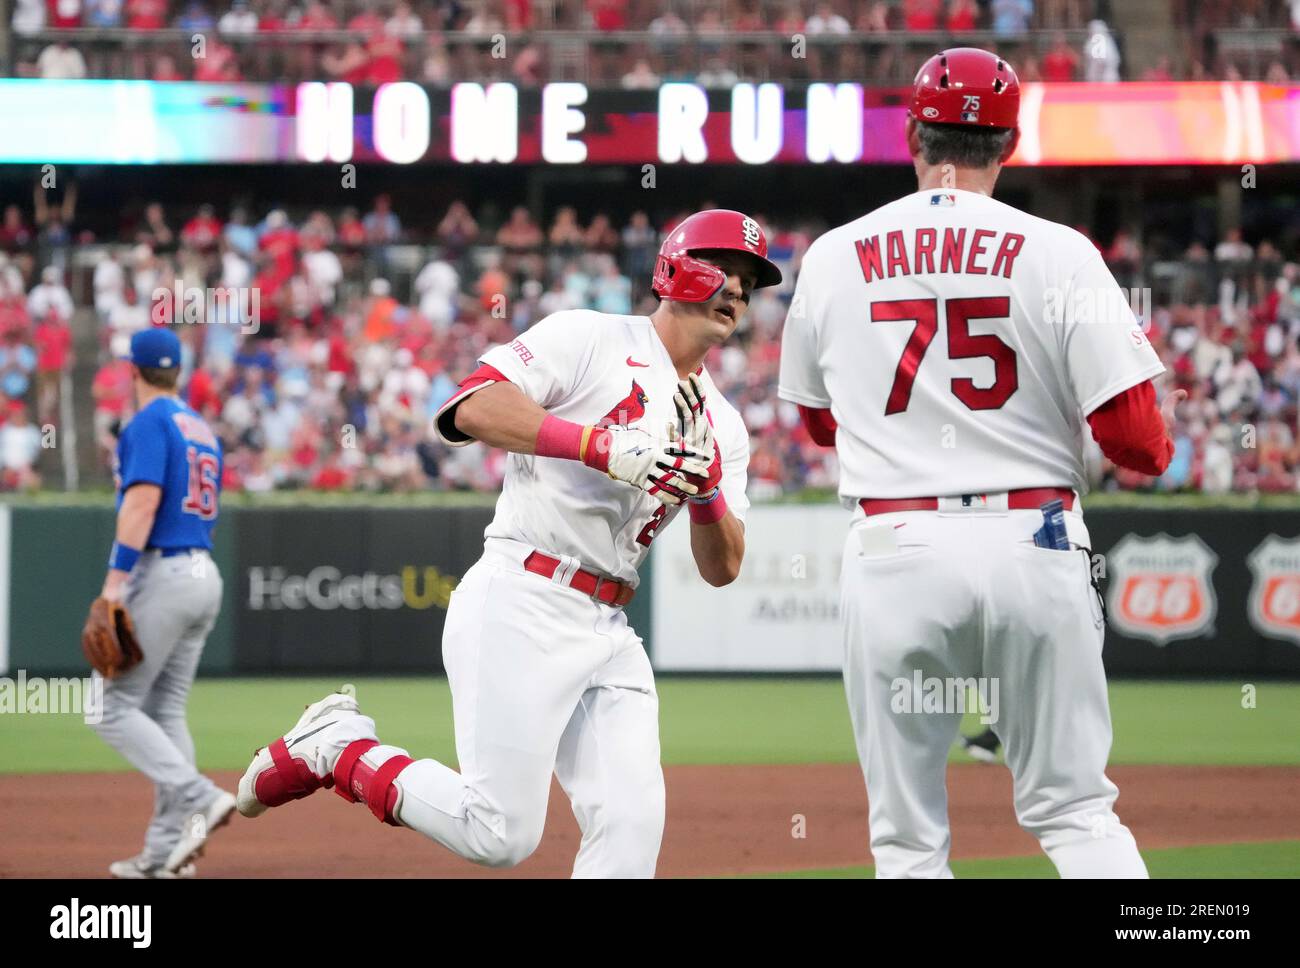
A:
{"x": 966, "y": 85}
{"x": 680, "y": 276}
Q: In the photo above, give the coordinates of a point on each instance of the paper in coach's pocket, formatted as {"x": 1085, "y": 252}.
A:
{"x": 877, "y": 540}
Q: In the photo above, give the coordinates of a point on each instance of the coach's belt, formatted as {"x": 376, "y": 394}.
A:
{"x": 610, "y": 591}
{"x": 1024, "y": 499}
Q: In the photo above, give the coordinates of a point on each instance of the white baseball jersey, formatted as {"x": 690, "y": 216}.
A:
{"x": 597, "y": 368}
{"x": 959, "y": 343}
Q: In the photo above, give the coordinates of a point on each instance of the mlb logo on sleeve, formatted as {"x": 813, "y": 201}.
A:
{"x": 944, "y": 199}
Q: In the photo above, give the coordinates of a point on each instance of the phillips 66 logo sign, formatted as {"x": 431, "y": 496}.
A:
{"x": 1160, "y": 587}
{"x": 1275, "y": 592}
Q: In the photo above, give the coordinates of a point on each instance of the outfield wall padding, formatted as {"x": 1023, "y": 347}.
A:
{"x": 1193, "y": 593}
{"x": 363, "y": 590}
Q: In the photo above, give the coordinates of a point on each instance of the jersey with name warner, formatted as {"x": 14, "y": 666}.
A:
{"x": 170, "y": 445}
{"x": 599, "y": 369}
{"x": 959, "y": 344}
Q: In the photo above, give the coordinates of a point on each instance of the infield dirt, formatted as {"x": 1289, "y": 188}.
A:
{"x": 721, "y": 820}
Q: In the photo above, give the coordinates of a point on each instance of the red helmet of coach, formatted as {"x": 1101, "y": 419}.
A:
{"x": 681, "y": 276}
{"x": 966, "y": 85}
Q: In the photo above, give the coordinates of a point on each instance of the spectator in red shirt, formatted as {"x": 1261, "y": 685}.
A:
{"x": 607, "y": 15}
{"x": 332, "y": 476}
{"x": 269, "y": 283}
{"x": 231, "y": 477}
{"x": 304, "y": 450}
{"x": 203, "y": 230}
{"x": 519, "y": 14}
{"x": 340, "y": 353}
{"x": 747, "y": 18}
{"x": 921, "y": 14}
{"x": 220, "y": 63}
{"x": 13, "y": 313}
{"x": 53, "y": 339}
{"x": 271, "y": 19}
{"x": 63, "y": 14}
{"x": 351, "y": 236}
{"x": 1061, "y": 63}
{"x": 317, "y": 17}
{"x": 280, "y": 241}
{"x": 961, "y": 15}
{"x": 367, "y": 21}
{"x": 348, "y": 62}
{"x": 385, "y": 59}
{"x": 791, "y": 20}
{"x": 202, "y": 394}
{"x": 111, "y": 390}
{"x": 351, "y": 233}
{"x": 146, "y": 14}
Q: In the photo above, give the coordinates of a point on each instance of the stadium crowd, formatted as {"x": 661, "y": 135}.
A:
{"x": 714, "y": 42}
{"x": 319, "y": 372}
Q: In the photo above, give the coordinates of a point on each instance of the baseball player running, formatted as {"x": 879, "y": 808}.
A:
{"x": 164, "y": 590}
{"x": 952, "y": 347}
{"x": 606, "y": 421}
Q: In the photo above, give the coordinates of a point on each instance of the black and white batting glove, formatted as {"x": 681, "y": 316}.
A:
{"x": 692, "y": 418}
{"x": 659, "y": 466}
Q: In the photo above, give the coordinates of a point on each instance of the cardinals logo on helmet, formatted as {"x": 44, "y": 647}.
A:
{"x": 628, "y": 410}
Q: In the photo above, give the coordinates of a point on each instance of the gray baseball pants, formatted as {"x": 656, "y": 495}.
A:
{"x": 174, "y": 604}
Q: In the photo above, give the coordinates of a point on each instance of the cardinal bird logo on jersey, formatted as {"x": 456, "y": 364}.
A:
{"x": 628, "y": 410}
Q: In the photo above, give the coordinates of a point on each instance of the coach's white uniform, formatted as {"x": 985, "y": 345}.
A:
{"x": 959, "y": 344}
{"x": 543, "y": 677}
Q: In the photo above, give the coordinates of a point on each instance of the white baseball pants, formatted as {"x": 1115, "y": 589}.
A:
{"x": 544, "y": 680}
{"x": 966, "y": 594}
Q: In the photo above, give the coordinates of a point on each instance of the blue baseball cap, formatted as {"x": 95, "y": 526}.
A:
{"x": 156, "y": 347}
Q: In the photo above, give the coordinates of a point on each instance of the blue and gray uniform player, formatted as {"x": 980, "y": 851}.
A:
{"x": 168, "y": 474}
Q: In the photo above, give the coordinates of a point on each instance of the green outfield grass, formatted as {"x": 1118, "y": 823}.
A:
{"x": 1276, "y": 859}
{"x": 702, "y": 721}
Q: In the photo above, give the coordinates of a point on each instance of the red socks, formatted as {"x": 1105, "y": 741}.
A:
{"x": 358, "y": 782}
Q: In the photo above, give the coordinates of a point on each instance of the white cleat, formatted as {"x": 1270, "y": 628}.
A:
{"x": 285, "y": 769}
{"x": 197, "y": 829}
{"x": 138, "y": 869}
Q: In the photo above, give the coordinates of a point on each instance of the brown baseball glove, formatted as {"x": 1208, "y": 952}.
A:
{"x": 108, "y": 639}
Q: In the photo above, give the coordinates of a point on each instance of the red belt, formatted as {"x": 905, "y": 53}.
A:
{"x": 1025, "y": 499}
{"x": 611, "y": 591}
